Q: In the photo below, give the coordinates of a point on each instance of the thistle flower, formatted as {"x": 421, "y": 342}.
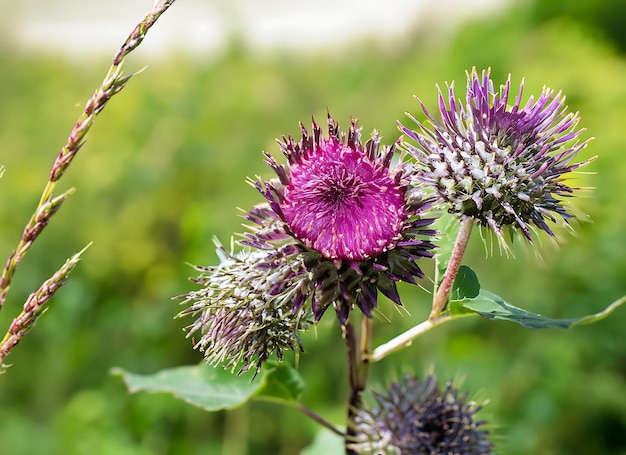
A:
{"x": 355, "y": 218}
{"x": 420, "y": 418}
{"x": 244, "y": 311}
{"x": 501, "y": 164}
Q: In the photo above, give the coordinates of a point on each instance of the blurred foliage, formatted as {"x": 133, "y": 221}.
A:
{"x": 602, "y": 17}
{"x": 163, "y": 171}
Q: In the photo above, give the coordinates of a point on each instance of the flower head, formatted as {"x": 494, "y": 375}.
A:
{"x": 420, "y": 418}
{"x": 244, "y": 311}
{"x": 355, "y": 218}
{"x": 501, "y": 164}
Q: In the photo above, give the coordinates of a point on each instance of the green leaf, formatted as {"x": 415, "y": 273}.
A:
{"x": 280, "y": 383}
{"x": 492, "y": 306}
{"x": 466, "y": 285}
{"x": 213, "y": 389}
{"x": 457, "y": 309}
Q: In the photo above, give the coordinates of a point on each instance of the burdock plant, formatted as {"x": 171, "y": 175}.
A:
{"x": 343, "y": 222}
{"x": 340, "y": 224}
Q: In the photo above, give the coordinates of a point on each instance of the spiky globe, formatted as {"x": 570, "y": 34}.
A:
{"x": 356, "y": 219}
{"x": 420, "y": 418}
{"x": 505, "y": 165}
{"x": 244, "y": 309}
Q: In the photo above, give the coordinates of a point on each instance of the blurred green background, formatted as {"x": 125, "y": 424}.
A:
{"x": 164, "y": 170}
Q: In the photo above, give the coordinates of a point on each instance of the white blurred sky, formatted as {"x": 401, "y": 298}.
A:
{"x": 76, "y": 27}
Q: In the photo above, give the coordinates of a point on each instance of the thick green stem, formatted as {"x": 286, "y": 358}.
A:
{"x": 366, "y": 350}
{"x": 358, "y": 361}
{"x": 442, "y": 295}
{"x": 354, "y": 390}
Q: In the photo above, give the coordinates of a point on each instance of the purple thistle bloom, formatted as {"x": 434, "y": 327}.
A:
{"x": 355, "y": 218}
{"x": 501, "y": 164}
{"x": 342, "y": 203}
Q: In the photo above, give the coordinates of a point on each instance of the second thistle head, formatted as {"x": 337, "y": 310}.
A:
{"x": 496, "y": 160}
